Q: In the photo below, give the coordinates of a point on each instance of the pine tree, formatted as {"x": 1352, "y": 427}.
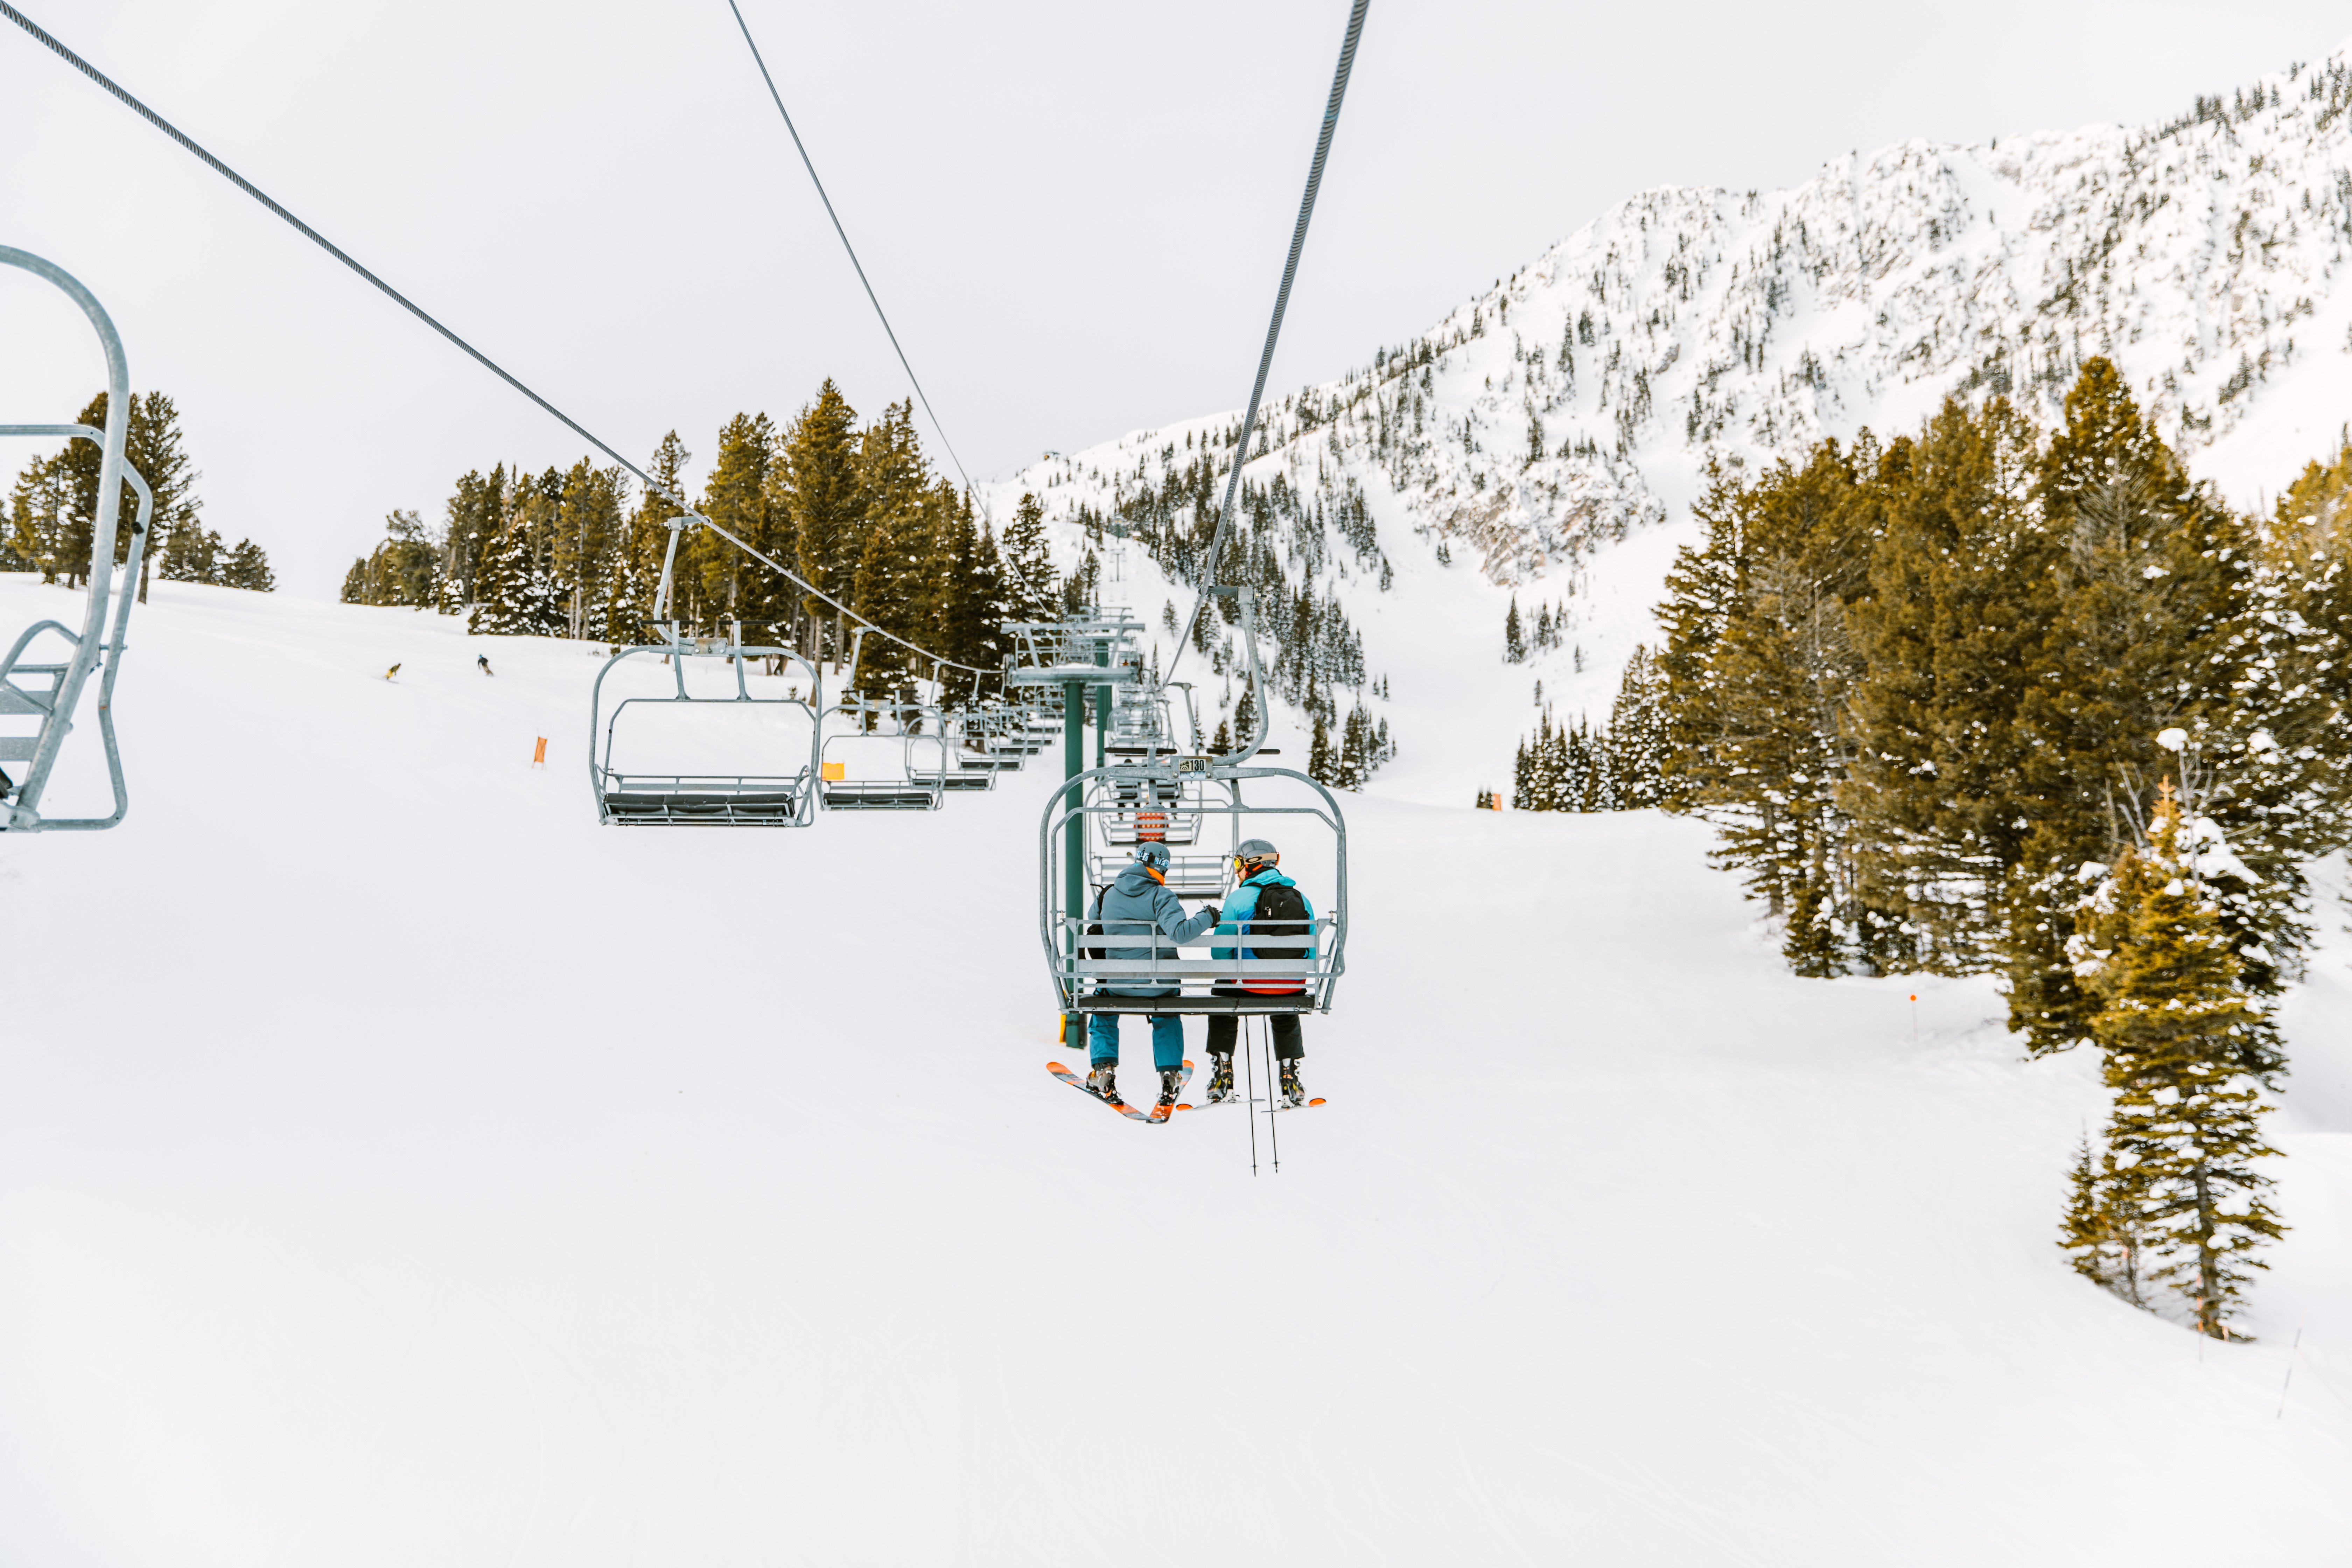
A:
{"x": 2175, "y": 1022}
{"x": 1514, "y": 647}
{"x": 966, "y": 587}
{"x": 474, "y": 514}
{"x": 2297, "y": 660}
{"x": 1031, "y": 581}
{"x": 500, "y": 573}
{"x": 1758, "y": 664}
{"x": 1245, "y": 716}
{"x": 2152, "y": 590}
{"x": 1319, "y": 758}
{"x": 538, "y": 520}
{"x": 588, "y": 530}
{"x": 898, "y": 515}
{"x": 636, "y": 574}
{"x": 248, "y": 567}
{"x": 1359, "y": 749}
{"x": 404, "y": 569}
{"x": 2098, "y": 1232}
{"x": 1962, "y": 589}
{"x": 823, "y": 499}
{"x": 739, "y": 497}
{"x": 1635, "y": 741}
{"x": 36, "y": 520}
{"x": 152, "y": 444}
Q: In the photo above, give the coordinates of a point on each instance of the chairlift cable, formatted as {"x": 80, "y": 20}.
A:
{"x": 807, "y": 163}
{"x": 1274, "y": 326}
{"x": 248, "y": 186}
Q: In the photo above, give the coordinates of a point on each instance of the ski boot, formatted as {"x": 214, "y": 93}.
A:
{"x": 1221, "y": 1078}
{"x": 1103, "y": 1082}
{"x": 1292, "y": 1094}
{"x": 1171, "y": 1080}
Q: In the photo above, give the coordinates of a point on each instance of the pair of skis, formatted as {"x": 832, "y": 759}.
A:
{"x": 1158, "y": 1113}
{"x": 1236, "y": 1099}
{"x": 1155, "y": 1115}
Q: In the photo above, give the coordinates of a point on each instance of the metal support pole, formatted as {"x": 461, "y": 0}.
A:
{"x": 1074, "y": 845}
{"x": 1102, "y": 708}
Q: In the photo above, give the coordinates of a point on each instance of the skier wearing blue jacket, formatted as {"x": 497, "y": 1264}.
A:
{"x": 1137, "y": 904}
{"x": 1256, "y": 866}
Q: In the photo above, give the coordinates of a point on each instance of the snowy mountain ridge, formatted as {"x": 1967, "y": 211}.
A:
{"x": 1580, "y": 403}
{"x": 1579, "y": 398}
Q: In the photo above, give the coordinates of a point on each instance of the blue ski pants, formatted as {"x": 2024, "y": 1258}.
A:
{"x": 1167, "y": 1041}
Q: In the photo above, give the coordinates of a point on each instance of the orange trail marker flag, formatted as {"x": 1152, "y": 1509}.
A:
{"x": 538, "y": 754}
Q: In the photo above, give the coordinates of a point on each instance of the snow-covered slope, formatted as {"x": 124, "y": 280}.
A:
{"x": 396, "y": 1167}
{"x": 1551, "y": 432}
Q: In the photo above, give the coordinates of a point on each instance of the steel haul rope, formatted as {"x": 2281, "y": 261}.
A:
{"x": 853, "y": 262}
{"x": 405, "y": 303}
{"x": 1274, "y": 326}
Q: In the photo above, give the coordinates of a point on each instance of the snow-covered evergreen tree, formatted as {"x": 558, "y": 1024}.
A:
{"x": 1030, "y": 581}
{"x": 2178, "y": 1025}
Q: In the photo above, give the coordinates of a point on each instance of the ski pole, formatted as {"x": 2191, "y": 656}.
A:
{"x": 1273, "y": 1094}
{"x": 2291, "y": 1357}
{"x": 1249, "y": 1076}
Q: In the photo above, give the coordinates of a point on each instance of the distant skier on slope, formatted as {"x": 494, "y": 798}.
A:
{"x": 1264, "y": 904}
{"x": 484, "y": 660}
{"x": 1137, "y": 903}
{"x": 393, "y": 671}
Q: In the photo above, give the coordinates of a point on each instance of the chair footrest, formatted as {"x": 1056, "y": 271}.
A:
{"x": 1297, "y": 1003}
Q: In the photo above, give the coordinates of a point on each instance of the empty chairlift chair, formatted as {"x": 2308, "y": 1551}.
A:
{"x": 889, "y": 773}
{"x": 671, "y": 724}
{"x": 962, "y": 770}
{"x": 47, "y": 693}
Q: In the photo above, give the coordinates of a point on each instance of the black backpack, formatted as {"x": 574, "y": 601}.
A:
{"x": 1281, "y": 911}
{"x": 1096, "y": 928}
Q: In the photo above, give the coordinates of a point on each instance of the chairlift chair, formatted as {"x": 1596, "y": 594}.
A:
{"x": 904, "y": 787}
{"x": 630, "y": 797}
{"x": 49, "y": 692}
{"x": 957, "y": 775}
{"x": 988, "y": 734}
{"x": 1197, "y": 982}
{"x": 1104, "y": 802}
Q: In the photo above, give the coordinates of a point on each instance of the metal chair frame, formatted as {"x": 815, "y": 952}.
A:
{"x": 914, "y": 791}
{"x": 1193, "y": 983}
{"x": 626, "y": 799}
{"x": 54, "y": 705}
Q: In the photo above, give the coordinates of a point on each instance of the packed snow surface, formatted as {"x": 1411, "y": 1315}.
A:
{"x": 398, "y": 1167}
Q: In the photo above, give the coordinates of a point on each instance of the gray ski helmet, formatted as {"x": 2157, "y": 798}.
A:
{"x": 1152, "y": 855}
{"x": 1258, "y": 849}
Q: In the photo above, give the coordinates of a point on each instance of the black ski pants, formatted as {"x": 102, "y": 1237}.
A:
{"x": 1288, "y": 1043}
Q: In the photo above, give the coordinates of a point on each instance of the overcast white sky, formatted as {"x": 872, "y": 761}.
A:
{"x": 1076, "y": 213}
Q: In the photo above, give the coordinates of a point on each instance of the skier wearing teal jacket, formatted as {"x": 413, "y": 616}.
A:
{"x": 1136, "y": 905}
{"x": 1258, "y": 863}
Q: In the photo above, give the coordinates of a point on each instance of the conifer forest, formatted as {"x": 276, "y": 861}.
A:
{"x": 1990, "y": 698}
